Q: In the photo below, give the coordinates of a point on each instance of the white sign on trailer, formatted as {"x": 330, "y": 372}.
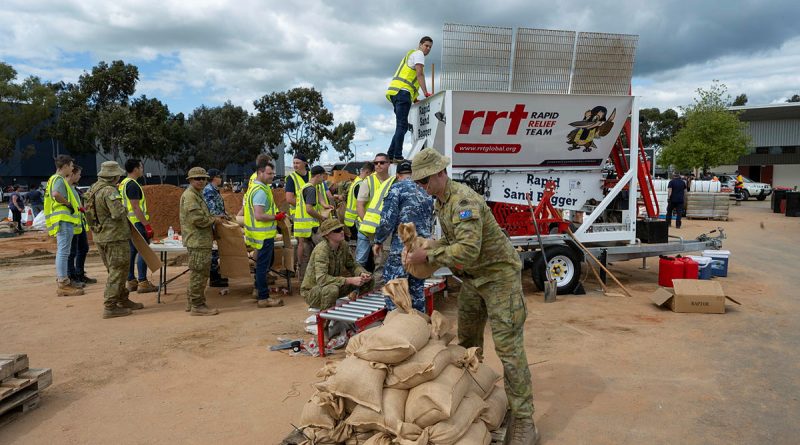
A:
{"x": 573, "y": 188}
{"x": 533, "y": 131}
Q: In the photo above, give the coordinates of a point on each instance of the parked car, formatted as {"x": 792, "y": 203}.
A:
{"x": 752, "y": 189}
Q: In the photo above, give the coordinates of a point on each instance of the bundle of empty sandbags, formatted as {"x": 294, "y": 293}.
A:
{"x": 404, "y": 383}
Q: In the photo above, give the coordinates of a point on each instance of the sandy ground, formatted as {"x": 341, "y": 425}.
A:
{"x": 607, "y": 370}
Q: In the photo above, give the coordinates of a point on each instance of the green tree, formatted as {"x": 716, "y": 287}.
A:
{"x": 740, "y": 100}
{"x": 794, "y": 98}
{"x": 712, "y": 135}
{"x": 95, "y": 115}
{"x": 216, "y": 137}
{"x": 658, "y": 127}
{"x": 300, "y": 117}
{"x": 23, "y": 107}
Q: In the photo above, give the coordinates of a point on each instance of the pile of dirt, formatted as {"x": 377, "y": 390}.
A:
{"x": 233, "y": 201}
{"x": 163, "y": 204}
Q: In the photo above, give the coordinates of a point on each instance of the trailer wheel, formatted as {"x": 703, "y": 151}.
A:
{"x": 565, "y": 268}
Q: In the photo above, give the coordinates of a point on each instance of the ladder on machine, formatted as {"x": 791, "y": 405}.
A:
{"x": 645, "y": 179}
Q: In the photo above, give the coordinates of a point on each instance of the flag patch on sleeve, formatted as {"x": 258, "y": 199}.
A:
{"x": 465, "y": 214}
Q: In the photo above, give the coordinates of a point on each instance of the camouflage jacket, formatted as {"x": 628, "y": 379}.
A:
{"x": 196, "y": 221}
{"x": 330, "y": 266}
{"x": 472, "y": 243}
{"x": 406, "y": 202}
{"x": 112, "y": 216}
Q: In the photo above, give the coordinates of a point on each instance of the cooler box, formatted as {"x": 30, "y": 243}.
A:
{"x": 719, "y": 261}
{"x": 704, "y": 264}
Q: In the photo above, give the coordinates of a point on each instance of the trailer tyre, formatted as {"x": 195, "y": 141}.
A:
{"x": 564, "y": 265}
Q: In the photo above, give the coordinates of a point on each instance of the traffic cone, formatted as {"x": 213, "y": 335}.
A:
{"x": 29, "y": 222}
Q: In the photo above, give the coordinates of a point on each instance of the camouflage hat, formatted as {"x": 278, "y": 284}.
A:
{"x": 109, "y": 169}
{"x": 197, "y": 172}
{"x": 328, "y": 226}
{"x": 428, "y": 162}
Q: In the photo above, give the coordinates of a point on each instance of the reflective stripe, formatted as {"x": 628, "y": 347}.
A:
{"x": 256, "y": 231}
{"x": 372, "y": 216}
{"x": 303, "y": 222}
{"x": 55, "y": 212}
{"x": 404, "y": 79}
{"x": 127, "y": 202}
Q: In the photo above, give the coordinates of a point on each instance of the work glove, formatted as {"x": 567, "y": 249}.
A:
{"x": 280, "y": 216}
{"x": 428, "y": 94}
{"x": 148, "y": 229}
{"x": 82, "y": 209}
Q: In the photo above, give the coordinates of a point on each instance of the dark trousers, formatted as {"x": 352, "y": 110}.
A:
{"x": 17, "y": 218}
{"x": 215, "y": 276}
{"x": 676, "y": 207}
{"x": 402, "y": 105}
{"x": 139, "y": 263}
{"x": 77, "y": 255}
{"x": 263, "y": 263}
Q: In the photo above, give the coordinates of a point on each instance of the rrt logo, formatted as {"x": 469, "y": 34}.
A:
{"x": 490, "y": 118}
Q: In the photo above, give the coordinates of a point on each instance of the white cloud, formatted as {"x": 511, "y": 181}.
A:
{"x": 383, "y": 123}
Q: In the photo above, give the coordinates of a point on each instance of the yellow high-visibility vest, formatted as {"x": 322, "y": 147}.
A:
{"x": 299, "y": 183}
{"x": 372, "y": 217}
{"x": 350, "y": 210}
{"x": 255, "y": 231}
{"x": 55, "y": 212}
{"x": 304, "y": 223}
{"x": 405, "y": 78}
{"x": 142, "y": 202}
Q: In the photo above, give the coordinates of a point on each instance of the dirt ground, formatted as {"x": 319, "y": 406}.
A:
{"x": 606, "y": 370}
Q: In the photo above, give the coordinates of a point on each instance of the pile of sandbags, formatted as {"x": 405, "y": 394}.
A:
{"x": 404, "y": 383}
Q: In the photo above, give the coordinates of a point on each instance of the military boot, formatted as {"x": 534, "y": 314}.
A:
{"x": 116, "y": 311}
{"x": 128, "y": 304}
{"x": 145, "y": 286}
{"x": 66, "y": 289}
{"x": 86, "y": 279}
{"x": 270, "y": 302}
{"x": 522, "y": 432}
{"x": 131, "y": 285}
{"x": 203, "y": 310}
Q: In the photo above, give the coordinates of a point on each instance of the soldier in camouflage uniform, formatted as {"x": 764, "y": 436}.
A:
{"x": 198, "y": 234}
{"x": 108, "y": 220}
{"x": 475, "y": 249}
{"x": 406, "y": 202}
{"x": 332, "y": 271}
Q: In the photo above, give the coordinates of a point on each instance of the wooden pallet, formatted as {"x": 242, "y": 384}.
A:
{"x": 20, "y": 386}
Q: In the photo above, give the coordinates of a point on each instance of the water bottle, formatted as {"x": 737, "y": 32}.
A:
{"x": 171, "y": 233}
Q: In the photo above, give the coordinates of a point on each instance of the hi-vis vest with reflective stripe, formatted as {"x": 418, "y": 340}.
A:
{"x": 405, "y": 78}
{"x": 142, "y": 202}
{"x": 372, "y": 217}
{"x": 303, "y": 222}
{"x": 255, "y": 231}
{"x": 299, "y": 183}
{"x": 55, "y": 212}
{"x": 350, "y": 211}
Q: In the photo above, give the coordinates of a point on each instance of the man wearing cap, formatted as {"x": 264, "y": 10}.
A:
{"x": 107, "y": 217}
{"x": 197, "y": 232}
{"x": 216, "y": 206}
{"x": 332, "y": 271}
{"x": 406, "y": 202}
{"x": 475, "y": 249}
{"x": 311, "y": 201}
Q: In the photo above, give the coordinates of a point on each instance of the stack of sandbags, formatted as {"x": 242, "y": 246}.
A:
{"x": 707, "y": 205}
{"x": 404, "y": 383}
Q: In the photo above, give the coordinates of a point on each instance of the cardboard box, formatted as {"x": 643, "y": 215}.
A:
{"x": 693, "y": 296}
{"x": 143, "y": 247}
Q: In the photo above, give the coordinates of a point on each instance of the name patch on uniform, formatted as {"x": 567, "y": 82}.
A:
{"x": 465, "y": 214}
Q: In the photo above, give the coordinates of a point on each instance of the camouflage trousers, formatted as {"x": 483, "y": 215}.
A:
{"x": 199, "y": 270}
{"x": 116, "y": 256}
{"x": 416, "y": 287}
{"x": 324, "y": 297}
{"x": 503, "y": 303}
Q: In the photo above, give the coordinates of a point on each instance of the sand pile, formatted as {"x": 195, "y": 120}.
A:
{"x": 233, "y": 201}
{"x": 163, "y": 204}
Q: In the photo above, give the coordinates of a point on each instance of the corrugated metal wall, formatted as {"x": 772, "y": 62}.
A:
{"x": 775, "y": 133}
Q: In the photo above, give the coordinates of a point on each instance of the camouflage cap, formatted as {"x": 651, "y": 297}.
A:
{"x": 197, "y": 172}
{"x": 328, "y": 226}
{"x": 428, "y": 162}
{"x": 109, "y": 169}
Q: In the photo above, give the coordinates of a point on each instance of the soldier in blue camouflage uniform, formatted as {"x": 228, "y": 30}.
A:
{"x": 216, "y": 205}
{"x": 475, "y": 248}
{"x": 406, "y": 202}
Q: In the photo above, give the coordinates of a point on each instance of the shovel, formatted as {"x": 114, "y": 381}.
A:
{"x": 550, "y": 286}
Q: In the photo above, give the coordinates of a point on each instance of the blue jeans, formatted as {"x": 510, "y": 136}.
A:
{"x": 402, "y": 105}
{"x": 676, "y": 207}
{"x": 77, "y": 254}
{"x": 64, "y": 242}
{"x": 140, "y": 264}
{"x": 363, "y": 246}
{"x": 263, "y": 264}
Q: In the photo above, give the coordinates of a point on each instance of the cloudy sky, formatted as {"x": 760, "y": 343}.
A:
{"x": 208, "y": 51}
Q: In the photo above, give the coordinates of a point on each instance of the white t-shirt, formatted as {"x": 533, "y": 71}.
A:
{"x": 415, "y": 58}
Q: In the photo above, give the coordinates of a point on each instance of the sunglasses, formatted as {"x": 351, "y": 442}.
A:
{"x": 381, "y": 162}
{"x": 339, "y": 230}
{"x": 423, "y": 181}
{"x": 199, "y": 179}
